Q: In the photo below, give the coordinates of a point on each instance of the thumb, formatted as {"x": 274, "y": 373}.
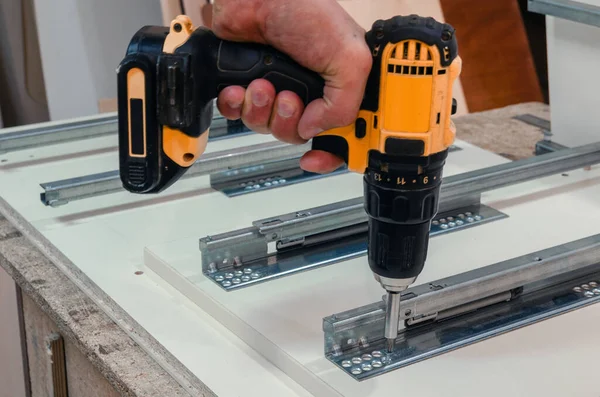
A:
{"x": 343, "y": 93}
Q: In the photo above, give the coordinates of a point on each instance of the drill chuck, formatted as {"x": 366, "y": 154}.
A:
{"x": 401, "y": 199}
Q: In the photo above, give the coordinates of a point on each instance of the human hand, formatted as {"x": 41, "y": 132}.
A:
{"x": 317, "y": 34}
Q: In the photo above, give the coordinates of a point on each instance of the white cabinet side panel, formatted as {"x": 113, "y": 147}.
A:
{"x": 574, "y": 81}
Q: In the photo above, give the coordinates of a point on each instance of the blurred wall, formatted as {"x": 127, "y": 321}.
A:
{"x": 82, "y": 43}
{"x": 22, "y": 91}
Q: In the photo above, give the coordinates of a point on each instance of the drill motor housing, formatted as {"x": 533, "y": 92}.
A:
{"x": 400, "y": 140}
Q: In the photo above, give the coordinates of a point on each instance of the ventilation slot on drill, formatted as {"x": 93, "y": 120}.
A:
{"x": 419, "y": 57}
{"x": 137, "y": 174}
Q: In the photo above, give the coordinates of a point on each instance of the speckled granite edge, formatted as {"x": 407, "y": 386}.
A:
{"x": 133, "y": 361}
{"x": 510, "y": 138}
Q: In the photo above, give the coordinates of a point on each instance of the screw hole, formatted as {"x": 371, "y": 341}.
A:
{"x": 408, "y": 312}
{"x": 188, "y": 157}
{"x": 565, "y": 174}
{"x": 177, "y": 27}
{"x": 139, "y": 273}
{"x": 446, "y": 35}
{"x": 379, "y": 34}
{"x": 268, "y": 59}
{"x": 537, "y": 259}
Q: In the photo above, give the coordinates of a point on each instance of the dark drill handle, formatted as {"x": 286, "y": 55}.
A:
{"x": 166, "y": 97}
{"x": 241, "y": 63}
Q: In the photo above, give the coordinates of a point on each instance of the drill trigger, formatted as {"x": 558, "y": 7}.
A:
{"x": 333, "y": 144}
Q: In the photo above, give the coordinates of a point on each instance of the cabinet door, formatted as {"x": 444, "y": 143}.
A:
{"x": 12, "y": 375}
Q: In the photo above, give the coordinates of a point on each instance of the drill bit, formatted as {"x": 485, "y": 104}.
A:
{"x": 392, "y": 314}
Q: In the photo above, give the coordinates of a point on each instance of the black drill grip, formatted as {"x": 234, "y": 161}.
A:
{"x": 241, "y": 63}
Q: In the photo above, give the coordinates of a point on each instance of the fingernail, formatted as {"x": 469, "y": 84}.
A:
{"x": 234, "y": 104}
{"x": 259, "y": 99}
{"x": 285, "y": 109}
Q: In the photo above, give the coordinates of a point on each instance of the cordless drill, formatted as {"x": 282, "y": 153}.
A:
{"x": 399, "y": 141}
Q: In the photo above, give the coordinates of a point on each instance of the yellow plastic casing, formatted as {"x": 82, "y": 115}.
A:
{"x": 181, "y": 148}
{"x": 415, "y": 103}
